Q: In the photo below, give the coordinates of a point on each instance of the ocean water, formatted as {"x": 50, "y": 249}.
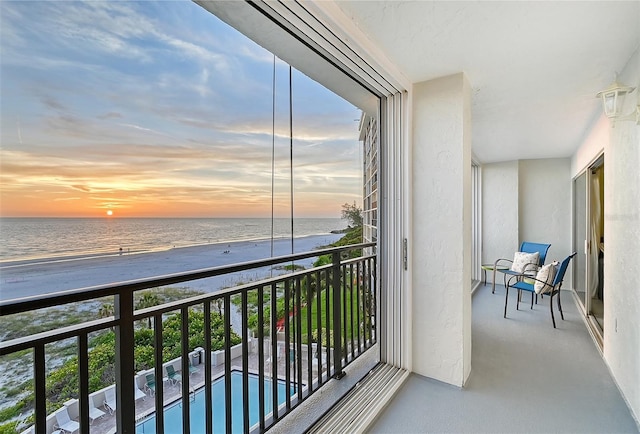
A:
{"x": 35, "y": 238}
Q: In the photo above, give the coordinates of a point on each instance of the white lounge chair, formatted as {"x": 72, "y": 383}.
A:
{"x": 94, "y": 412}
{"x": 110, "y": 399}
{"x": 30, "y": 430}
{"x": 139, "y": 393}
{"x": 22, "y": 423}
{"x": 64, "y": 422}
{"x": 319, "y": 359}
{"x": 192, "y": 369}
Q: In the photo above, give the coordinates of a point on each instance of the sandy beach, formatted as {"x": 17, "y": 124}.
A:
{"x": 46, "y": 276}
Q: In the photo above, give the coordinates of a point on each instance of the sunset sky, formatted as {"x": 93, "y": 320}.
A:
{"x": 160, "y": 110}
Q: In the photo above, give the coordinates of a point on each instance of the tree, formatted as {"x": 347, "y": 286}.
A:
{"x": 353, "y": 214}
{"x": 106, "y": 310}
{"x": 148, "y": 299}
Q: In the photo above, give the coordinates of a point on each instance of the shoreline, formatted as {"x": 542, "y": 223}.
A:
{"x": 33, "y": 278}
{"x": 7, "y": 263}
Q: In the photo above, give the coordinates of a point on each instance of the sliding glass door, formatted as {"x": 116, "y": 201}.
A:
{"x": 595, "y": 257}
{"x": 580, "y": 236}
{"x": 588, "y": 242}
{"x": 476, "y": 225}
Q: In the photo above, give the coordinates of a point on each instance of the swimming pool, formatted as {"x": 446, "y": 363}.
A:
{"x": 173, "y": 413}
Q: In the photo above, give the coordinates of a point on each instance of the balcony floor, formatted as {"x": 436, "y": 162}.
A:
{"x": 526, "y": 376}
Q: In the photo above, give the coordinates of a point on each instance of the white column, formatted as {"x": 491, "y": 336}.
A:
{"x": 441, "y": 218}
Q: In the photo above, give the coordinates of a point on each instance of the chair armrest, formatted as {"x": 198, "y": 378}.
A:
{"x": 495, "y": 264}
{"x": 535, "y": 267}
{"x": 517, "y": 278}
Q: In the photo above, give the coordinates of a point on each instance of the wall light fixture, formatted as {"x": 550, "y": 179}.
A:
{"x": 613, "y": 102}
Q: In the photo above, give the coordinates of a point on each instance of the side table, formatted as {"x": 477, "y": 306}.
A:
{"x": 492, "y": 268}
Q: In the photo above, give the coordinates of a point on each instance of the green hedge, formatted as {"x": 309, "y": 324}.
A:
{"x": 62, "y": 383}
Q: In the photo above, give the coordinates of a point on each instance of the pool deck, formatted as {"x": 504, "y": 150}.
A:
{"x": 107, "y": 423}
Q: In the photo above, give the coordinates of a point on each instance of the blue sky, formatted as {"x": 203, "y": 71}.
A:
{"x": 160, "y": 109}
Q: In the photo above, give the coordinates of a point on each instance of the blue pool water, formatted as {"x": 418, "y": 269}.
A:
{"x": 173, "y": 413}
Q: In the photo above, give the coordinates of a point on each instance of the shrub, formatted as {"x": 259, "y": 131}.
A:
{"x": 62, "y": 383}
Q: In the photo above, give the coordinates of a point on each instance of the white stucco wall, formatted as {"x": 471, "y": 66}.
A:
{"x": 622, "y": 238}
{"x": 526, "y": 200}
{"x": 622, "y": 248}
{"x": 591, "y": 147}
{"x": 545, "y": 205}
{"x": 499, "y": 210}
{"x": 441, "y": 242}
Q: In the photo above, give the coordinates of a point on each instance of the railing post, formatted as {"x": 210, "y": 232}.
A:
{"x": 184, "y": 359}
{"x": 40, "y": 379}
{"x": 337, "y": 317}
{"x": 158, "y": 370}
{"x": 126, "y": 411}
{"x": 83, "y": 387}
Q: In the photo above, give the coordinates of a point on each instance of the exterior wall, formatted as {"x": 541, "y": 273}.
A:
{"x": 622, "y": 248}
{"x": 592, "y": 146}
{"x": 499, "y": 211}
{"x": 545, "y": 205}
{"x": 441, "y": 242}
{"x": 622, "y": 238}
{"x": 526, "y": 200}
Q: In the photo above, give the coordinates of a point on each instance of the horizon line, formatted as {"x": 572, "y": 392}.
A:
{"x": 165, "y": 217}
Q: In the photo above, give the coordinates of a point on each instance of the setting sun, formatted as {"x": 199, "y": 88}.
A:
{"x": 109, "y": 212}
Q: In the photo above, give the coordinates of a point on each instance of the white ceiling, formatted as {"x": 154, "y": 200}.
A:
{"x": 534, "y": 67}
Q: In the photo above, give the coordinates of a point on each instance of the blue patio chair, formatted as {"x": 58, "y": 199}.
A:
{"x": 528, "y": 284}
{"x": 525, "y": 247}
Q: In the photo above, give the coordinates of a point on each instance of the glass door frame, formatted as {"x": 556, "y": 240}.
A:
{"x": 583, "y": 247}
{"x": 476, "y": 224}
{"x": 579, "y": 245}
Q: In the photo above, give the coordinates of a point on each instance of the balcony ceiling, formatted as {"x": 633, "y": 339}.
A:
{"x": 534, "y": 67}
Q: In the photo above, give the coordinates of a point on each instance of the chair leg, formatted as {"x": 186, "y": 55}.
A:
{"x": 560, "y": 307}
{"x": 506, "y": 297}
{"x": 518, "y": 294}
{"x": 493, "y": 282}
{"x": 553, "y": 320}
{"x": 532, "y": 294}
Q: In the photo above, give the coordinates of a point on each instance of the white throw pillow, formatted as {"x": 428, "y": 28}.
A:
{"x": 525, "y": 262}
{"x": 546, "y": 274}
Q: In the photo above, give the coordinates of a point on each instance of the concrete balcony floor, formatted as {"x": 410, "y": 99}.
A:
{"x": 526, "y": 377}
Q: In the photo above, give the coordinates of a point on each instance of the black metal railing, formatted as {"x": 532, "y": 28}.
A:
{"x": 306, "y": 327}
